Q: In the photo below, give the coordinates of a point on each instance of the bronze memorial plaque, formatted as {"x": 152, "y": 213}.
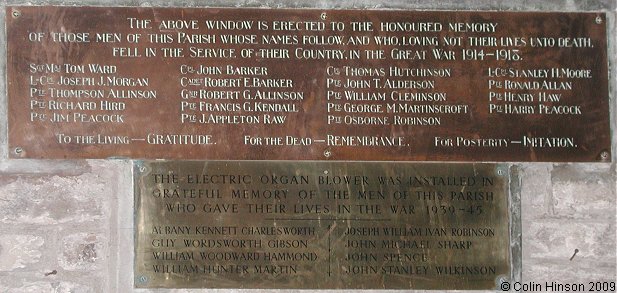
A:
{"x": 293, "y": 84}
{"x": 321, "y": 225}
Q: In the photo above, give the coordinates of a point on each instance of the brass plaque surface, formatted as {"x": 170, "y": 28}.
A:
{"x": 282, "y": 84}
{"x": 319, "y": 225}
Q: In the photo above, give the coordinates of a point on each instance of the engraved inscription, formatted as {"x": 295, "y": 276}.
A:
{"x": 321, "y": 225}
{"x": 290, "y": 85}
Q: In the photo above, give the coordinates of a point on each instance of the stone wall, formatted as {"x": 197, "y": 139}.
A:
{"x": 67, "y": 225}
{"x": 58, "y": 225}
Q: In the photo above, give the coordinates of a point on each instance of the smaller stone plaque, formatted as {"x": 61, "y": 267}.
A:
{"x": 318, "y": 225}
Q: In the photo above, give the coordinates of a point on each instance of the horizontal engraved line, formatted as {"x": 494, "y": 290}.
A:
{"x": 325, "y": 219}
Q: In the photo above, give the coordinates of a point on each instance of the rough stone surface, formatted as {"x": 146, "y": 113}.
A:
{"x": 51, "y": 287}
{"x": 578, "y": 193}
{"x": 55, "y": 225}
{"x": 82, "y": 251}
{"x": 41, "y": 167}
{"x": 554, "y": 240}
{"x": 51, "y": 199}
{"x": 578, "y": 270}
{"x": 18, "y": 251}
{"x": 536, "y": 186}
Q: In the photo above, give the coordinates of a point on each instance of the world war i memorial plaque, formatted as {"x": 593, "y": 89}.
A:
{"x": 287, "y": 84}
{"x": 321, "y": 225}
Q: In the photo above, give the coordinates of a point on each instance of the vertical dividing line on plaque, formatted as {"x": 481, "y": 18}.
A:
{"x": 329, "y": 252}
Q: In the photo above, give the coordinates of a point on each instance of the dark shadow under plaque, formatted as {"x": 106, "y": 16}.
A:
{"x": 319, "y": 225}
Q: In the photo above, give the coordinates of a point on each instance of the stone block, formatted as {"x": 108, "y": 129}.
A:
{"x": 83, "y": 251}
{"x": 55, "y": 167}
{"x": 48, "y": 200}
{"x": 47, "y": 287}
{"x": 584, "y": 200}
{"x": 579, "y": 270}
{"x": 535, "y": 188}
{"x": 555, "y": 239}
{"x": 583, "y": 194}
{"x": 18, "y": 251}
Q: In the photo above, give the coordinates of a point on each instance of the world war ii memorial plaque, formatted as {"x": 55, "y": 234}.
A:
{"x": 292, "y": 84}
{"x": 321, "y": 225}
